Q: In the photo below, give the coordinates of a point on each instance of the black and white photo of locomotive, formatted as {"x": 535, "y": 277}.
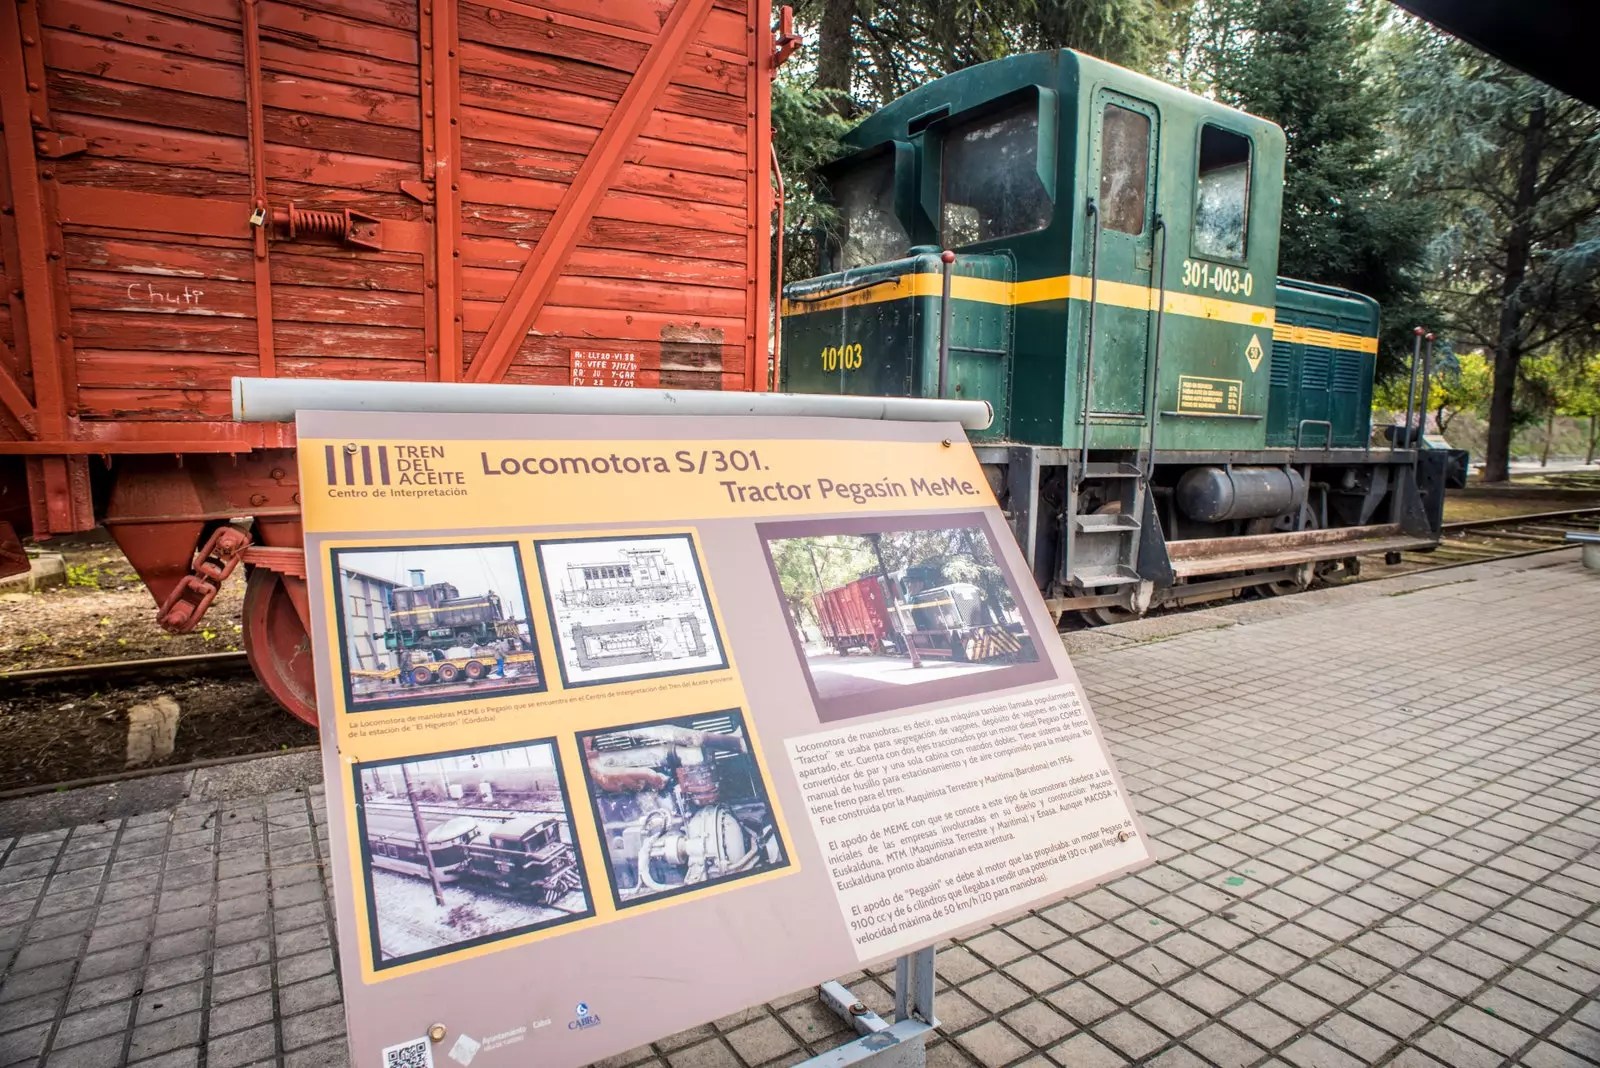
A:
{"x": 681, "y": 804}
{"x": 629, "y": 607}
{"x": 467, "y": 847}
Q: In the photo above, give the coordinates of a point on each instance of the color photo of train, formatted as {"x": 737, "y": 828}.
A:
{"x": 465, "y": 848}
{"x": 434, "y": 623}
{"x": 884, "y": 618}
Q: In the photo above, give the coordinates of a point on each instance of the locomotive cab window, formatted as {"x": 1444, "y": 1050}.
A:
{"x": 991, "y": 178}
{"x": 1222, "y": 199}
{"x": 1124, "y": 169}
{"x": 869, "y": 230}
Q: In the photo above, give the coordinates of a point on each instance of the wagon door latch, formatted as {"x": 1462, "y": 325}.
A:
{"x": 294, "y": 223}
{"x": 192, "y": 596}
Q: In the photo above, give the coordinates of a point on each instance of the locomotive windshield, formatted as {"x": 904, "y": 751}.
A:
{"x": 869, "y": 230}
{"x": 1223, "y": 202}
{"x": 991, "y": 177}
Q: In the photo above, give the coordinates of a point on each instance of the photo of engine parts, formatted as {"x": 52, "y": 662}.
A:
{"x": 681, "y": 804}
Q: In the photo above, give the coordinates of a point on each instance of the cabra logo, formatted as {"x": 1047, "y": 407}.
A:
{"x": 584, "y": 1018}
{"x": 384, "y": 465}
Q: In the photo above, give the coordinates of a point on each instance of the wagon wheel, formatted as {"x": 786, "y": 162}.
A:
{"x": 474, "y": 669}
{"x": 277, "y": 645}
{"x": 449, "y": 673}
{"x": 421, "y": 675}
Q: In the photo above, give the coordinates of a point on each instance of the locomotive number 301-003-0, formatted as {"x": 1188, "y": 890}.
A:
{"x": 1202, "y": 275}
{"x": 841, "y": 357}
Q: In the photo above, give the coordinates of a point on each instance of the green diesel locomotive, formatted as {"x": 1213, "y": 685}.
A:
{"x": 1095, "y": 254}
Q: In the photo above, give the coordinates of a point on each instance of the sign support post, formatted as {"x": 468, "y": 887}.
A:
{"x": 901, "y": 1044}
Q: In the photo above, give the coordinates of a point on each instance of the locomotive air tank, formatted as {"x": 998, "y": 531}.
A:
{"x": 1215, "y": 494}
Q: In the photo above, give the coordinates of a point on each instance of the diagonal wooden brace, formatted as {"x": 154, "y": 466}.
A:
{"x": 539, "y": 275}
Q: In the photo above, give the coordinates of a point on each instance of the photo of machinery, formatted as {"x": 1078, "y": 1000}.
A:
{"x": 464, "y": 848}
{"x": 425, "y": 624}
{"x": 877, "y": 610}
{"x": 627, "y": 608}
{"x": 681, "y": 804}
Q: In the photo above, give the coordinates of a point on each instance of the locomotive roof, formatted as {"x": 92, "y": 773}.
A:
{"x": 522, "y": 826}
{"x": 1063, "y": 71}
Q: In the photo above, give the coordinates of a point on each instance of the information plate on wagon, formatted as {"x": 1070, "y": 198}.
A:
{"x": 631, "y": 723}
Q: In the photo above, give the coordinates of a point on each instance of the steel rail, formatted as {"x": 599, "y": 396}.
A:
{"x": 155, "y": 667}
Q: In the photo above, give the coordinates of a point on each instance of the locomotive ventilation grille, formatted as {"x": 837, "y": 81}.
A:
{"x": 1347, "y": 374}
{"x": 1280, "y": 365}
{"x": 1314, "y": 369}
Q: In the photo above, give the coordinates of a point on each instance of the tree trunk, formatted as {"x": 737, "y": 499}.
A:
{"x": 836, "y": 55}
{"x": 1594, "y": 433}
{"x": 1549, "y": 432}
{"x": 1508, "y": 339}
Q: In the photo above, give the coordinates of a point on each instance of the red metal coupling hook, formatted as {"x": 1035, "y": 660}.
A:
{"x": 295, "y": 223}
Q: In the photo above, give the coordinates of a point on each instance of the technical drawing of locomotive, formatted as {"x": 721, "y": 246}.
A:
{"x": 952, "y": 621}
{"x": 436, "y": 616}
{"x": 640, "y": 577}
{"x": 524, "y": 856}
{"x": 638, "y": 641}
{"x": 681, "y": 806}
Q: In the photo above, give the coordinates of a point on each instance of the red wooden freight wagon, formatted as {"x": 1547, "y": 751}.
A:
{"x": 551, "y": 191}
{"x": 854, "y": 616}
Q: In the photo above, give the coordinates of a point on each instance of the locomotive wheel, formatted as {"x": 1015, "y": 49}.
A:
{"x": 449, "y": 673}
{"x": 277, "y": 645}
{"x": 421, "y": 675}
{"x": 474, "y": 669}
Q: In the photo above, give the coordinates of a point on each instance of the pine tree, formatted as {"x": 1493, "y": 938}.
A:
{"x": 1514, "y": 167}
{"x": 1303, "y": 64}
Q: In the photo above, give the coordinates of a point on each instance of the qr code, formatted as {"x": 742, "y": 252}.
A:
{"x": 413, "y": 1054}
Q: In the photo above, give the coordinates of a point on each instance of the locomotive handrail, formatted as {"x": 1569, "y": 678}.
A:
{"x": 1300, "y": 433}
{"x": 1088, "y": 357}
{"x": 276, "y": 400}
{"x": 1146, "y": 469}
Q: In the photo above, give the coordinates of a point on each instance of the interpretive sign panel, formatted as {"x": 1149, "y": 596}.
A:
{"x": 631, "y": 723}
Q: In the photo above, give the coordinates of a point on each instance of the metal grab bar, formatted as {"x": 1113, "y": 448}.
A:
{"x": 947, "y": 259}
{"x": 1145, "y": 470}
{"x": 1300, "y": 433}
{"x": 1411, "y": 394}
{"x": 1088, "y": 359}
{"x": 1427, "y": 382}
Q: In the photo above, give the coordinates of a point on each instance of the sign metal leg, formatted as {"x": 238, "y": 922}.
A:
{"x": 882, "y": 1044}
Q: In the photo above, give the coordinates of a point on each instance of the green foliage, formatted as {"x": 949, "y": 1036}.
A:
{"x": 1513, "y": 170}
{"x": 1461, "y": 383}
{"x": 806, "y": 132}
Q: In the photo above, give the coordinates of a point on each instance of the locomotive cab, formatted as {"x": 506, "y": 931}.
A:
{"x": 1109, "y": 248}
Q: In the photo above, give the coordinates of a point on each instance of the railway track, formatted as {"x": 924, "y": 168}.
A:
{"x": 1478, "y": 540}
{"x": 1469, "y": 542}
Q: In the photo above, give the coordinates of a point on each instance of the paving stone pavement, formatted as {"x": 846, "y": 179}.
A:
{"x": 1377, "y": 826}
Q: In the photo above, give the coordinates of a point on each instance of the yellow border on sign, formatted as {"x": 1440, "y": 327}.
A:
{"x": 557, "y": 712}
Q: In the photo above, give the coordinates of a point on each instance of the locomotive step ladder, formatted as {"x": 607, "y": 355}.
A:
{"x": 1102, "y": 547}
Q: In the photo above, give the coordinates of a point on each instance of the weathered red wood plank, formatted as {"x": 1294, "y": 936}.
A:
{"x": 589, "y": 322}
{"x": 558, "y": 72}
{"x": 154, "y": 30}
{"x": 137, "y": 369}
{"x": 484, "y": 284}
{"x": 501, "y": 254}
{"x": 138, "y": 330}
{"x": 626, "y": 207}
{"x": 541, "y": 101}
{"x": 85, "y": 252}
{"x": 635, "y": 20}
{"x": 526, "y": 224}
{"x": 521, "y": 130}
{"x": 149, "y": 404}
{"x": 546, "y": 166}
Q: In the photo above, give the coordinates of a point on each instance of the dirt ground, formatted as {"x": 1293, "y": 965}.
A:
{"x": 68, "y": 731}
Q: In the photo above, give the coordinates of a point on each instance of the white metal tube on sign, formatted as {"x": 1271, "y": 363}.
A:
{"x": 276, "y": 400}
